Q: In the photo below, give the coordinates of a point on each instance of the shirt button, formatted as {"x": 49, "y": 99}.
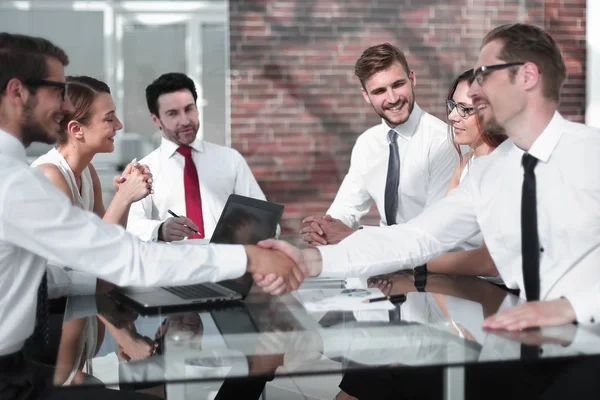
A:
{"x": 592, "y": 320}
{"x": 541, "y": 249}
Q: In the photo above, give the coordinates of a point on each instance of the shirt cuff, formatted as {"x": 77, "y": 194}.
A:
{"x": 232, "y": 260}
{"x": 586, "y": 307}
{"x": 335, "y": 262}
{"x": 82, "y": 284}
{"x": 154, "y": 235}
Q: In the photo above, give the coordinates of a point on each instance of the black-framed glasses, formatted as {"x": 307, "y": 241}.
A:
{"x": 33, "y": 82}
{"x": 462, "y": 110}
{"x": 482, "y": 72}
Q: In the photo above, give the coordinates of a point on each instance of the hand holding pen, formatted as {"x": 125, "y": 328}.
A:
{"x": 177, "y": 228}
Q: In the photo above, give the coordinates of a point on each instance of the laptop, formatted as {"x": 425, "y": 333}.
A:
{"x": 244, "y": 220}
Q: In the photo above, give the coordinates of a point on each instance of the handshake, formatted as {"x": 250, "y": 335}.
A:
{"x": 278, "y": 267}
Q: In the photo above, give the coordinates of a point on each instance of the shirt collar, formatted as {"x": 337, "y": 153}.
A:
{"x": 407, "y": 129}
{"x": 544, "y": 145}
{"x": 12, "y": 147}
{"x": 168, "y": 148}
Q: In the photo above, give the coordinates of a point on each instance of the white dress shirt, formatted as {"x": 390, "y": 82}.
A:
{"x": 38, "y": 222}
{"x": 62, "y": 280}
{"x": 222, "y": 171}
{"x": 489, "y": 199}
{"x": 427, "y": 161}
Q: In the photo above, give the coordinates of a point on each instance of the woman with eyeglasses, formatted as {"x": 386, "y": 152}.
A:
{"x": 464, "y": 129}
{"x": 89, "y": 128}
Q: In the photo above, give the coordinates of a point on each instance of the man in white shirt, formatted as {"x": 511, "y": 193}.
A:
{"x": 403, "y": 165}
{"x": 216, "y": 171}
{"x": 540, "y": 219}
{"x": 38, "y": 222}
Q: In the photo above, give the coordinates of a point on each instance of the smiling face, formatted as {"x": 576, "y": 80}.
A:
{"x": 178, "y": 117}
{"x": 99, "y": 133}
{"x": 465, "y": 129}
{"x": 498, "y": 99}
{"x": 44, "y": 110}
{"x": 391, "y": 94}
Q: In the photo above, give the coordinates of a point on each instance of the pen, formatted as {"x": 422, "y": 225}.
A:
{"x": 397, "y": 298}
{"x": 177, "y": 216}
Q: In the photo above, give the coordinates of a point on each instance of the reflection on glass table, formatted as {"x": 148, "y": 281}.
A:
{"x": 268, "y": 337}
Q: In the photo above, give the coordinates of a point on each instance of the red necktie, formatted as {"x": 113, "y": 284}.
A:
{"x": 191, "y": 184}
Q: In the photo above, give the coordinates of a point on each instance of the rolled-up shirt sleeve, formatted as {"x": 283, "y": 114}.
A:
{"x": 39, "y": 218}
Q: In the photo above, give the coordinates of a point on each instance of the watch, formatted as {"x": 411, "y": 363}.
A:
{"x": 420, "y": 275}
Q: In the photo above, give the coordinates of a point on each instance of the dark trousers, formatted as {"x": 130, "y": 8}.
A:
{"x": 547, "y": 380}
{"x": 21, "y": 379}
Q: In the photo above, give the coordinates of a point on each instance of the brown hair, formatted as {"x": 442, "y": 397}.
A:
{"x": 528, "y": 43}
{"x": 491, "y": 140}
{"x": 378, "y": 58}
{"x": 24, "y": 57}
{"x": 81, "y": 91}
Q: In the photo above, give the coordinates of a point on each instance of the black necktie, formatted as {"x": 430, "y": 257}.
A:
{"x": 42, "y": 327}
{"x": 530, "y": 245}
{"x": 392, "y": 181}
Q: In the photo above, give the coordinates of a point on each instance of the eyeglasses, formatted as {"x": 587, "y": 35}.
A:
{"x": 463, "y": 111}
{"x": 43, "y": 82}
{"x": 482, "y": 72}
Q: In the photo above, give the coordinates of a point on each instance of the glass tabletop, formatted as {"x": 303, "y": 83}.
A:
{"x": 267, "y": 336}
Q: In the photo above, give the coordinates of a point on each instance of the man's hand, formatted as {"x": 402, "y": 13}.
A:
{"x": 324, "y": 230}
{"x": 308, "y": 261}
{"x": 335, "y": 230}
{"x": 312, "y": 233}
{"x": 285, "y": 269}
{"x": 174, "y": 229}
{"x": 532, "y": 314}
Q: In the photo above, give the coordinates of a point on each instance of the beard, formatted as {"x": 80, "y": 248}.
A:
{"x": 175, "y": 137}
{"x": 410, "y": 102}
{"x": 491, "y": 126}
{"x": 31, "y": 129}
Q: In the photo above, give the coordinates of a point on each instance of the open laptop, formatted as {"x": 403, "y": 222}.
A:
{"x": 244, "y": 220}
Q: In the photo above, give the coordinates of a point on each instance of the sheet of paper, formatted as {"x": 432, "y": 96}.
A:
{"x": 315, "y": 300}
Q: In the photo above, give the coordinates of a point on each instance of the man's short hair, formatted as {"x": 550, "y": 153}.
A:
{"x": 168, "y": 83}
{"x": 378, "y": 58}
{"x": 528, "y": 43}
{"x": 24, "y": 57}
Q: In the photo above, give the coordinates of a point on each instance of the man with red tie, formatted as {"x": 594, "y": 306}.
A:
{"x": 192, "y": 178}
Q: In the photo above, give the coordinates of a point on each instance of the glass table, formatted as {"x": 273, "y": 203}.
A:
{"x": 267, "y": 338}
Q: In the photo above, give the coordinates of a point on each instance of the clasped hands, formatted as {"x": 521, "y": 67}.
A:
{"x": 324, "y": 230}
{"x": 134, "y": 183}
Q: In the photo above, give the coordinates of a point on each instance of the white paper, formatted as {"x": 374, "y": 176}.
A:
{"x": 315, "y": 300}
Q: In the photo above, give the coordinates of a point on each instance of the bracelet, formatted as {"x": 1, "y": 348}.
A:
{"x": 420, "y": 275}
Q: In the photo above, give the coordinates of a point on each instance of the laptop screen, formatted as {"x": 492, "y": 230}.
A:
{"x": 247, "y": 221}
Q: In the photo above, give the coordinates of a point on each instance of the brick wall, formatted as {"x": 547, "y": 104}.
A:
{"x": 296, "y": 107}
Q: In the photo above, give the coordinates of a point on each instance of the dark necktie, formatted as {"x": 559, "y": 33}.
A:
{"x": 392, "y": 180}
{"x": 191, "y": 184}
{"x": 42, "y": 326}
{"x": 530, "y": 245}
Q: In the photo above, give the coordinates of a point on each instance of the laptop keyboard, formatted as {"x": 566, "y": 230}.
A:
{"x": 191, "y": 292}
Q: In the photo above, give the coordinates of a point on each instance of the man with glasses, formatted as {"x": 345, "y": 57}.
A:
{"x": 403, "y": 164}
{"x": 37, "y": 222}
{"x": 536, "y": 198}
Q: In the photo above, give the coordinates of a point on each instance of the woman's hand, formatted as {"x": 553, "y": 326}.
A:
{"x": 135, "y": 183}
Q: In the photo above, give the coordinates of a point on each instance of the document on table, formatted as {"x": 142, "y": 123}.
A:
{"x": 342, "y": 299}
